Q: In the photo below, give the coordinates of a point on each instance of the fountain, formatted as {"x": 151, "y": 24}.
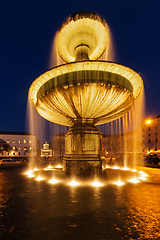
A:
{"x": 85, "y": 91}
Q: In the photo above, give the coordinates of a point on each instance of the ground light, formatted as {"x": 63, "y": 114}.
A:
{"x": 54, "y": 181}
{"x": 134, "y": 180}
{"x": 30, "y": 175}
{"x": 125, "y": 168}
{"x": 39, "y": 178}
{"x": 115, "y": 167}
{"x": 134, "y": 170}
{"x": 96, "y": 183}
{"x": 119, "y": 183}
{"x": 58, "y": 166}
{"x": 73, "y": 183}
{"x": 142, "y": 176}
{"x": 49, "y": 168}
{"x": 35, "y": 169}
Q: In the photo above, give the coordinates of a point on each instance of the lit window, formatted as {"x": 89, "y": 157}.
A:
{"x": 24, "y": 141}
{"x": 13, "y": 141}
{"x": 19, "y": 148}
{"x": 19, "y": 141}
{"x": 13, "y": 148}
{"x": 29, "y": 141}
{"x": 7, "y": 141}
{"x": 24, "y": 148}
{"x": 30, "y": 148}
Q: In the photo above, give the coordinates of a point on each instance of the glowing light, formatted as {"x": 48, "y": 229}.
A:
{"x": 134, "y": 180}
{"x": 115, "y": 167}
{"x": 35, "y": 169}
{"x": 73, "y": 183}
{"x": 119, "y": 183}
{"x": 30, "y": 175}
{"x": 134, "y": 170}
{"x": 58, "y": 166}
{"x": 53, "y": 181}
{"x": 143, "y": 174}
{"x": 29, "y": 171}
{"x": 148, "y": 121}
{"x": 49, "y": 166}
{"x": 142, "y": 178}
{"x": 96, "y": 184}
{"x": 39, "y": 178}
{"x": 107, "y": 166}
{"x": 125, "y": 168}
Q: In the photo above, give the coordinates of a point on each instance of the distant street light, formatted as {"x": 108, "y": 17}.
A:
{"x": 148, "y": 121}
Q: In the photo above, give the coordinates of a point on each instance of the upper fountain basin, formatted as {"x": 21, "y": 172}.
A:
{"x": 82, "y": 32}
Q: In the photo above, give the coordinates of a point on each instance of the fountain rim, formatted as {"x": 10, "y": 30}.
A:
{"x": 107, "y": 66}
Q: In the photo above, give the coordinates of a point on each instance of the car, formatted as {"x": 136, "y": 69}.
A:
{"x": 152, "y": 159}
{"x": 9, "y": 162}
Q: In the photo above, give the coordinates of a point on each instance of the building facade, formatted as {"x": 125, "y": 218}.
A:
{"x": 58, "y": 145}
{"x": 17, "y": 144}
{"x": 151, "y": 134}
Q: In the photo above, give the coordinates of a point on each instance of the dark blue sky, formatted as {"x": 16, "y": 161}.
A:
{"x": 27, "y": 30}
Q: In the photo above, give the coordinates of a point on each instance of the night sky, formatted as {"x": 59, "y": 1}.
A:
{"x": 27, "y": 31}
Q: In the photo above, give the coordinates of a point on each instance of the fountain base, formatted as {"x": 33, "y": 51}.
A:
{"x": 83, "y": 149}
{"x": 82, "y": 167}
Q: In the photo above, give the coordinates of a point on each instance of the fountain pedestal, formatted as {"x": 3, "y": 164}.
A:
{"x": 83, "y": 149}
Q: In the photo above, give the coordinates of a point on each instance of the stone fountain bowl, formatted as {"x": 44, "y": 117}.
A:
{"x": 97, "y": 90}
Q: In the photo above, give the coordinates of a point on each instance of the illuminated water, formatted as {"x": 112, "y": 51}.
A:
{"x": 33, "y": 209}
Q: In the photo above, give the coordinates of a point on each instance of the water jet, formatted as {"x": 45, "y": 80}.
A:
{"x": 84, "y": 91}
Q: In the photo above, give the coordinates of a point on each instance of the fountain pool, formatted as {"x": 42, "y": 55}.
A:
{"x": 32, "y": 209}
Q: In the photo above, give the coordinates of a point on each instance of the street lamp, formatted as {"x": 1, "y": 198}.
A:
{"x": 148, "y": 121}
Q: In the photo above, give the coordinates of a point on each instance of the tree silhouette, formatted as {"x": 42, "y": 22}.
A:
{"x": 4, "y": 146}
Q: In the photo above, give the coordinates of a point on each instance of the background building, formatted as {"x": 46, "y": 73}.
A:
{"x": 17, "y": 144}
{"x": 151, "y": 134}
{"x": 58, "y": 145}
